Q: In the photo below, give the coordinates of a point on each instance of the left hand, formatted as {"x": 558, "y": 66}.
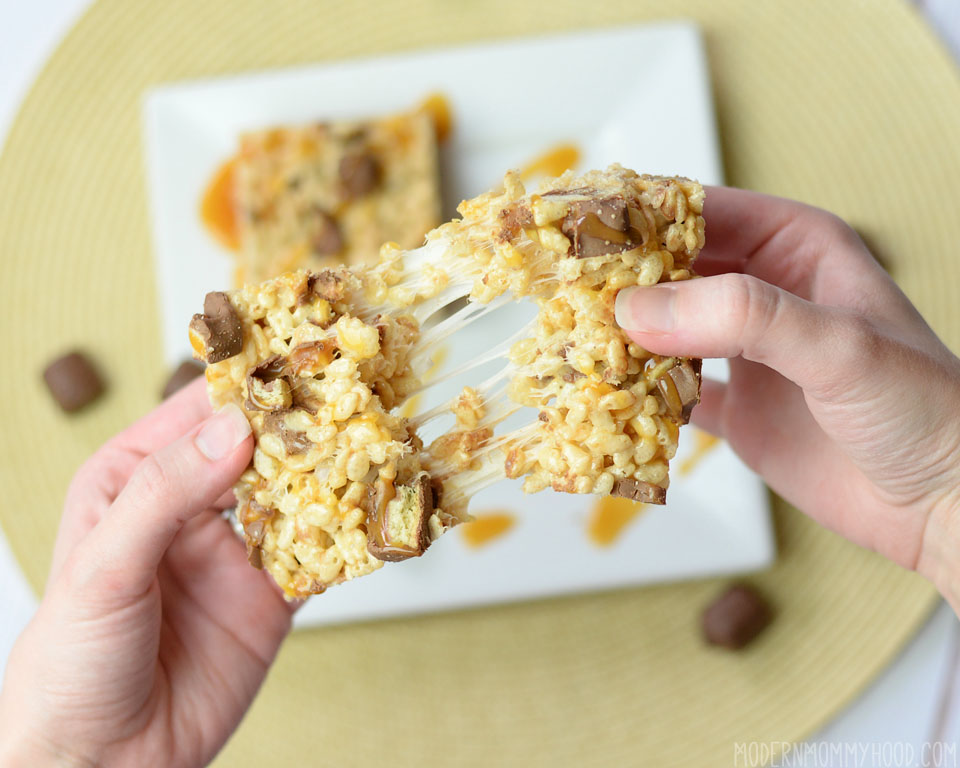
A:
{"x": 154, "y": 634}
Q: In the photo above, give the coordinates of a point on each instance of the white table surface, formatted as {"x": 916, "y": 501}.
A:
{"x": 914, "y": 702}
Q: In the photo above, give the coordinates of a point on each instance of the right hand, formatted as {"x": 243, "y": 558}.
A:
{"x": 840, "y": 395}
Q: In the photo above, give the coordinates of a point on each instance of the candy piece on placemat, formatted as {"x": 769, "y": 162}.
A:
{"x": 186, "y": 372}
{"x": 735, "y": 618}
{"x": 73, "y": 381}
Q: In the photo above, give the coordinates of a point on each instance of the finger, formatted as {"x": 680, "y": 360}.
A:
{"x": 174, "y": 417}
{"x": 783, "y": 242}
{"x": 708, "y": 414}
{"x": 227, "y": 500}
{"x": 101, "y": 478}
{"x": 765, "y": 420}
{"x": 821, "y": 349}
{"x": 744, "y": 228}
{"x": 740, "y": 223}
{"x": 168, "y": 488}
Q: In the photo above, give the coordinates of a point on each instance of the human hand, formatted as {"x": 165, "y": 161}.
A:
{"x": 840, "y": 395}
{"x": 154, "y": 633}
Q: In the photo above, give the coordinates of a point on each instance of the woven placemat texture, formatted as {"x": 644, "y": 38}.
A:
{"x": 849, "y": 105}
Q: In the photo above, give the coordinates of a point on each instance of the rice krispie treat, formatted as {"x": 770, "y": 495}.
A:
{"x": 332, "y": 193}
{"x": 321, "y": 362}
{"x": 336, "y": 485}
{"x": 609, "y": 411}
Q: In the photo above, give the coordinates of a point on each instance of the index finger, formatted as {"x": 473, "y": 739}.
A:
{"x": 178, "y": 414}
{"x": 101, "y": 478}
{"x": 804, "y": 250}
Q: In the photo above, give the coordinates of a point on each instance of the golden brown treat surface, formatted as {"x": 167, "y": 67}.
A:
{"x": 332, "y": 193}
{"x": 340, "y": 482}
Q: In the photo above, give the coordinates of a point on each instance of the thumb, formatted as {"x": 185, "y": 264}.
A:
{"x": 820, "y": 348}
{"x": 167, "y": 489}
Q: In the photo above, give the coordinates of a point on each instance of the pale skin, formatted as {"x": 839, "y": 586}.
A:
{"x": 154, "y": 633}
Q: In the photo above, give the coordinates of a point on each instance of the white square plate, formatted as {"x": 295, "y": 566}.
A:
{"x": 639, "y": 96}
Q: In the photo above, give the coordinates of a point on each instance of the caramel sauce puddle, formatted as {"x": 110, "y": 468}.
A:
{"x": 486, "y": 528}
{"x": 217, "y": 211}
{"x": 705, "y": 442}
{"x": 553, "y": 162}
{"x": 610, "y": 517}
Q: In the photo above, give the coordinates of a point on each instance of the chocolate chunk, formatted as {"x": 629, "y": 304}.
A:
{"x": 680, "y": 387}
{"x": 252, "y": 512}
{"x": 436, "y": 494}
{"x": 359, "y": 174}
{"x": 735, "y": 618}
{"x": 327, "y": 285}
{"x": 686, "y": 378}
{"x": 513, "y": 218}
{"x": 267, "y": 388}
{"x": 598, "y": 227}
{"x": 73, "y": 381}
{"x": 611, "y": 212}
{"x": 639, "y": 490}
{"x": 270, "y": 369}
{"x": 255, "y": 532}
{"x": 294, "y": 441}
{"x": 217, "y": 334}
{"x": 254, "y": 518}
{"x": 392, "y": 539}
{"x": 328, "y": 240}
{"x": 186, "y": 372}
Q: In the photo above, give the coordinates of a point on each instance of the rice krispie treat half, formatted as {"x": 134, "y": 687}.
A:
{"x": 321, "y": 361}
{"x": 336, "y": 486}
{"x": 331, "y": 193}
{"x": 609, "y": 410}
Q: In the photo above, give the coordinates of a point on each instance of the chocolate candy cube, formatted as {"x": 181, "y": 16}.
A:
{"x": 186, "y": 372}
{"x": 735, "y": 618}
{"x": 73, "y": 381}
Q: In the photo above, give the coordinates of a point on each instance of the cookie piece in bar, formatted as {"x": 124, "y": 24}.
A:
{"x": 398, "y": 528}
{"x": 336, "y": 486}
{"x": 332, "y": 193}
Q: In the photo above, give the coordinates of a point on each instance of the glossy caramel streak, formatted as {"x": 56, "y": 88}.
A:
{"x": 217, "y": 211}
{"x": 437, "y": 105}
{"x": 487, "y": 527}
{"x": 553, "y": 162}
{"x": 610, "y": 517}
{"x": 705, "y": 443}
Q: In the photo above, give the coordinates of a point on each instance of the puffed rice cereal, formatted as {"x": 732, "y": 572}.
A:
{"x": 321, "y": 361}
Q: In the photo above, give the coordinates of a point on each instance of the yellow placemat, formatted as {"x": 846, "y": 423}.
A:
{"x": 851, "y": 105}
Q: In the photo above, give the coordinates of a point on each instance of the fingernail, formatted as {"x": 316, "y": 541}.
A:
{"x": 646, "y": 309}
{"x": 222, "y": 433}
